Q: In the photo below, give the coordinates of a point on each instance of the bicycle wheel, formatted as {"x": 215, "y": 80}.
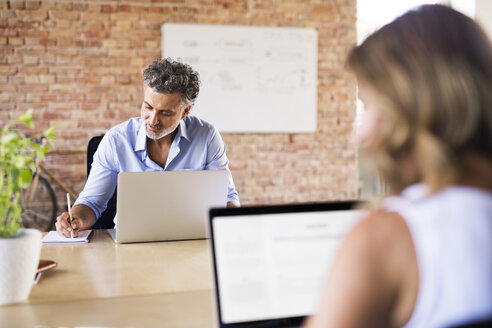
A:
{"x": 40, "y": 211}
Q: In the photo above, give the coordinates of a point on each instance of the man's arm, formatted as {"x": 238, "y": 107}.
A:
{"x": 98, "y": 189}
{"x": 217, "y": 160}
{"x": 83, "y": 218}
{"x": 233, "y": 204}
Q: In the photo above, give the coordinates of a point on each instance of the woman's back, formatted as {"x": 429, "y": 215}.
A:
{"x": 452, "y": 235}
{"x": 425, "y": 81}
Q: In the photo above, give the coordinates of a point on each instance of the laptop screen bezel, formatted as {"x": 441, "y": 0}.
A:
{"x": 259, "y": 210}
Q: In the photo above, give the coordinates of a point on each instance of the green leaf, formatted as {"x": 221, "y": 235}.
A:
{"x": 26, "y": 119}
{"x": 19, "y": 161}
{"x": 50, "y": 133}
{"x": 26, "y": 177}
{"x": 35, "y": 147}
{"x": 9, "y": 137}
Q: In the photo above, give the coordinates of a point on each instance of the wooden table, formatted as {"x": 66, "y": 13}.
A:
{"x": 161, "y": 284}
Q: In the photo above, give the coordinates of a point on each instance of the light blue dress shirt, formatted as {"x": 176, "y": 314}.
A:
{"x": 196, "y": 146}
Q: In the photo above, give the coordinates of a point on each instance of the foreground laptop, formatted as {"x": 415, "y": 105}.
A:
{"x": 170, "y": 205}
{"x": 270, "y": 262}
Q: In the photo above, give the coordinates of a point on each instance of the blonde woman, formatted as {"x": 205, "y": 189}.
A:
{"x": 424, "y": 258}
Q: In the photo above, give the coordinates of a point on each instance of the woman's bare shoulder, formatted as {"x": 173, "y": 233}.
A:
{"x": 369, "y": 277}
{"x": 384, "y": 239}
{"x": 377, "y": 231}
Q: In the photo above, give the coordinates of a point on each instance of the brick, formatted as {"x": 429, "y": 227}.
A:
{"x": 93, "y": 7}
{"x": 136, "y": 44}
{"x": 108, "y": 80}
{"x": 34, "y": 15}
{"x": 109, "y": 8}
{"x": 4, "y": 97}
{"x": 13, "y": 60}
{"x": 61, "y": 87}
{"x": 62, "y": 24}
{"x": 137, "y": 62}
{"x": 66, "y": 6}
{"x": 32, "y": 41}
{"x": 31, "y": 79}
{"x": 8, "y": 87}
{"x": 109, "y": 43}
{"x": 9, "y": 32}
{"x": 47, "y": 79}
{"x": 73, "y": 97}
{"x": 80, "y": 7}
{"x": 94, "y": 124}
{"x": 5, "y": 109}
{"x": 17, "y": 23}
{"x": 30, "y": 60}
{"x": 60, "y": 106}
{"x": 35, "y": 106}
{"x": 48, "y": 42}
{"x": 93, "y": 106}
{"x": 63, "y": 42}
{"x": 71, "y": 133}
{"x": 93, "y": 52}
{"x": 123, "y": 26}
{"x": 30, "y": 5}
{"x": 64, "y": 124}
{"x": 33, "y": 88}
{"x": 47, "y": 97}
{"x": 30, "y": 51}
{"x": 47, "y": 60}
{"x": 152, "y": 44}
{"x": 17, "y": 4}
{"x": 123, "y": 79}
{"x": 63, "y": 14}
{"x": 149, "y": 53}
{"x": 124, "y": 16}
{"x": 13, "y": 41}
{"x": 32, "y": 69}
{"x": 124, "y": 8}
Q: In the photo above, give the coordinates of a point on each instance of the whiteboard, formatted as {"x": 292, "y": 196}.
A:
{"x": 253, "y": 79}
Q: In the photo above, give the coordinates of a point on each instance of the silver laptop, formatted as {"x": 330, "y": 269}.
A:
{"x": 170, "y": 205}
{"x": 270, "y": 262}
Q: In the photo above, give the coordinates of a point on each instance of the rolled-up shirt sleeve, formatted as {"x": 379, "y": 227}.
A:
{"x": 102, "y": 179}
{"x": 217, "y": 160}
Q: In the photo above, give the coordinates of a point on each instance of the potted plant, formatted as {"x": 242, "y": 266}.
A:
{"x": 19, "y": 248}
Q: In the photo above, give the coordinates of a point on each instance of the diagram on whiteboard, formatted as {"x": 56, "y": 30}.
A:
{"x": 254, "y": 79}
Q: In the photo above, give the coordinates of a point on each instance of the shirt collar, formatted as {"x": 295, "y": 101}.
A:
{"x": 141, "y": 141}
{"x": 182, "y": 130}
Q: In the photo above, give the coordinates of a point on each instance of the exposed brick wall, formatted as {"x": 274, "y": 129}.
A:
{"x": 78, "y": 64}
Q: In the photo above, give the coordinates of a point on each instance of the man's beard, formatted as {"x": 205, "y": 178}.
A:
{"x": 160, "y": 134}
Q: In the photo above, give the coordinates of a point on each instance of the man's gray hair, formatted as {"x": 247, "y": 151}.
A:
{"x": 166, "y": 75}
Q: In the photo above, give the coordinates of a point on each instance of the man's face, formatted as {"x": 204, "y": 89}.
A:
{"x": 161, "y": 113}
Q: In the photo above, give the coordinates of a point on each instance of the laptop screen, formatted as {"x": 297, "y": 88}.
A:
{"x": 270, "y": 262}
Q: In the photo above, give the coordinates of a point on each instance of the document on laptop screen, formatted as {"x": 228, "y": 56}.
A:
{"x": 273, "y": 265}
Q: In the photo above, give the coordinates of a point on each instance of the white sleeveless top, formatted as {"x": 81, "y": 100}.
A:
{"x": 452, "y": 235}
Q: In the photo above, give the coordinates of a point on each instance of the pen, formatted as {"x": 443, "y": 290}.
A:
{"x": 70, "y": 214}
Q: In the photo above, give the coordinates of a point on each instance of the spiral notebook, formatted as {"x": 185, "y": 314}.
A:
{"x": 53, "y": 237}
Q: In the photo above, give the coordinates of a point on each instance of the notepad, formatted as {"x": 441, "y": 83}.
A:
{"x": 54, "y": 238}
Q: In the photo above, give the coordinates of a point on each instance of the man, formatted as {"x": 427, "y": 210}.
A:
{"x": 164, "y": 138}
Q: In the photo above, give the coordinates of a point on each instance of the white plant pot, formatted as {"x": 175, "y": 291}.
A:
{"x": 19, "y": 258}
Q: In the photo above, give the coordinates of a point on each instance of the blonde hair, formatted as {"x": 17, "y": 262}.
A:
{"x": 431, "y": 70}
